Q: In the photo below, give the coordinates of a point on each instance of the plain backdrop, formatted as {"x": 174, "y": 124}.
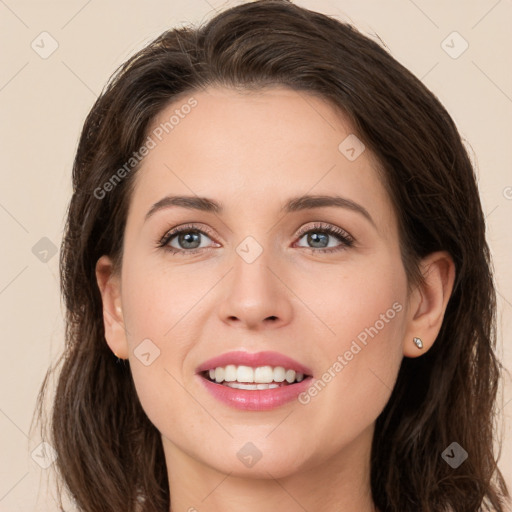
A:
{"x": 55, "y": 58}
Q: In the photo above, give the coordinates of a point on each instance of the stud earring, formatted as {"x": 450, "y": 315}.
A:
{"x": 418, "y": 342}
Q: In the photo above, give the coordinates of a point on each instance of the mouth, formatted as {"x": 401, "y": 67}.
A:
{"x": 249, "y": 378}
{"x": 256, "y": 382}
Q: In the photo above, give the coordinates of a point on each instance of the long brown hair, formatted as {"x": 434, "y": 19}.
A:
{"x": 110, "y": 456}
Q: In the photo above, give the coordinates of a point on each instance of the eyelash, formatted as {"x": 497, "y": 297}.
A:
{"x": 342, "y": 236}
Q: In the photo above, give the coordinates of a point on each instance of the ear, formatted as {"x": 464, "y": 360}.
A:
{"x": 110, "y": 289}
{"x": 428, "y": 302}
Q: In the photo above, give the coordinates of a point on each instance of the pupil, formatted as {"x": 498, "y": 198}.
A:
{"x": 314, "y": 239}
{"x": 190, "y": 238}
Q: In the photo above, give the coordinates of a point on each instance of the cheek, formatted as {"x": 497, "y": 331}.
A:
{"x": 370, "y": 306}
{"x": 156, "y": 300}
{"x": 370, "y": 319}
{"x": 361, "y": 299}
{"x": 362, "y": 358}
{"x": 158, "y": 331}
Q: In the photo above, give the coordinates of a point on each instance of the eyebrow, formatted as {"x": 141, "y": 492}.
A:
{"x": 295, "y": 204}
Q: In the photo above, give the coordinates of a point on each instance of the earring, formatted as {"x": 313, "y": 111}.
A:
{"x": 418, "y": 342}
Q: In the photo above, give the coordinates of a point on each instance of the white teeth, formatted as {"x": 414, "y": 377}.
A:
{"x": 279, "y": 374}
{"x": 238, "y": 385}
{"x": 244, "y": 374}
{"x": 262, "y": 375}
{"x": 219, "y": 374}
{"x": 230, "y": 373}
{"x": 290, "y": 376}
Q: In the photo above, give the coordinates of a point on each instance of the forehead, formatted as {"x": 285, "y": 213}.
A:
{"x": 256, "y": 148}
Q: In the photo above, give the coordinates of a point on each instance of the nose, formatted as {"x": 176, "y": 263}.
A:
{"x": 255, "y": 295}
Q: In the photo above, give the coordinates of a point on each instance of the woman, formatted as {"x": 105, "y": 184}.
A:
{"x": 277, "y": 296}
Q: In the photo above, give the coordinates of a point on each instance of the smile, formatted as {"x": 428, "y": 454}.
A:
{"x": 261, "y": 377}
{"x": 254, "y": 386}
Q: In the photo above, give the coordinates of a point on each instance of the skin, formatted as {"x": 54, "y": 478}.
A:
{"x": 252, "y": 151}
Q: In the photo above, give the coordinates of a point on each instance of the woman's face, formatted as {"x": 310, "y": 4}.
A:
{"x": 261, "y": 273}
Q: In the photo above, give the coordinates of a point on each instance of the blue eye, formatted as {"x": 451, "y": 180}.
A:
{"x": 320, "y": 234}
{"x": 190, "y": 238}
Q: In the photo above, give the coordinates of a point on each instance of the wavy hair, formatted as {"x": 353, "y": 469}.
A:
{"x": 110, "y": 456}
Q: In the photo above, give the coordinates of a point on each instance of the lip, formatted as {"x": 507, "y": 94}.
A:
{"x": 259, "y": 399}
{"x": 255, "y": 400}
{"x": 266, "y": 358}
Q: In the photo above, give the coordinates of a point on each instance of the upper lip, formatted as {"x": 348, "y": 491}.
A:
{"x": 266, "y": 358}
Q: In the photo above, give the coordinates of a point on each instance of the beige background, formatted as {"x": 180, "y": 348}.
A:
{"x": 43, "y": 105}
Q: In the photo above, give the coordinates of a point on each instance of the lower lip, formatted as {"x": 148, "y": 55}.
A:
{"x": 258, "y": 399}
